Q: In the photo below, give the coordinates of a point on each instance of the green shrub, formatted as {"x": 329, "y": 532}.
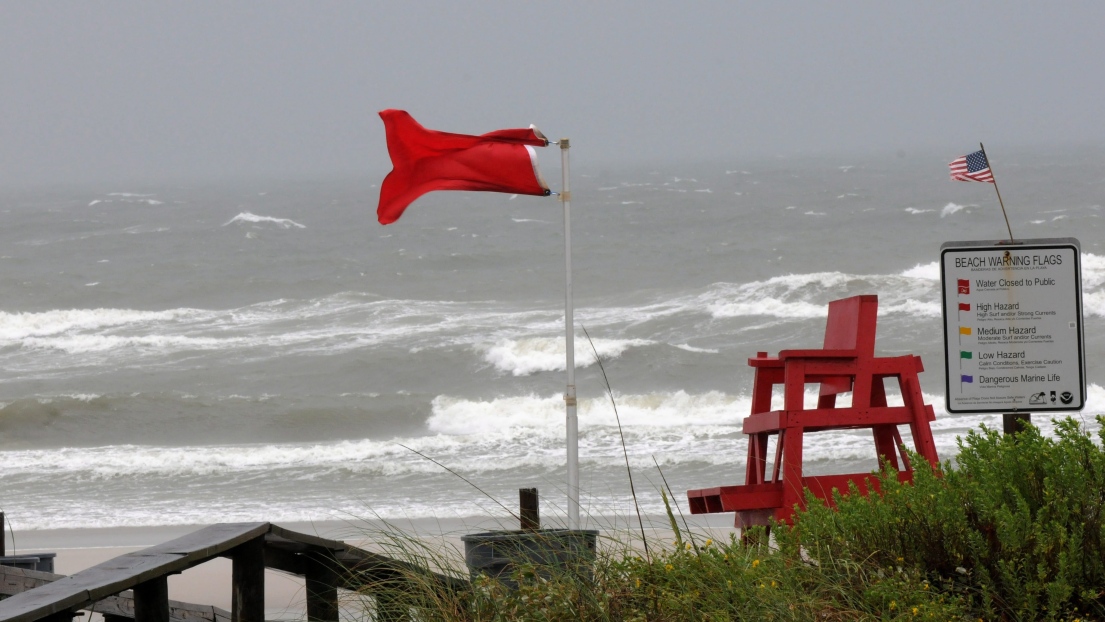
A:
{"x": 1016, "y": 530}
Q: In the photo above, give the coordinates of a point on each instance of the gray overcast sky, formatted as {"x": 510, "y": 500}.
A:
{"x": 132, "y": 91}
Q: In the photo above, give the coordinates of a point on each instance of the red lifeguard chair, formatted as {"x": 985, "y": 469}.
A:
{"x": 846, "y": 363}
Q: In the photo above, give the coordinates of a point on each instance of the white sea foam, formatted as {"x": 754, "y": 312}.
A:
{"x": 501, "y": 434}
{"x": 689, "y": 348}
{"x": 84, "y": 344}
{"x": 804, "y": 296}
{"x": 128, "y": 197}
{"x": 1093, "y": 270}
{"x": 15, "y": 327}
{"x": 525, "y": 356}
{"x": 928, "y": 271}
{"x": 488, "y": 440}
{"x": 914, "y": 210}
{"x": 512, "y": 340}
{"x": 248, "y": 217}
{"x": 952, "y": 208}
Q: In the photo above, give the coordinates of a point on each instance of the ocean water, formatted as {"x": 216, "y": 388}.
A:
{"x": 187, "y": 353}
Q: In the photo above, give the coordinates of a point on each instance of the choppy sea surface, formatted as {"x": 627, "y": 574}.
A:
{"x": 184, "y": 353}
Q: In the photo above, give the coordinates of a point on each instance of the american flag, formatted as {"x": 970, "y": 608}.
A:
{"x": 971, "y": 167}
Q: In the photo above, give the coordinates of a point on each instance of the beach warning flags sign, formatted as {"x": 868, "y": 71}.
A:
{"x": 425, "y": 160}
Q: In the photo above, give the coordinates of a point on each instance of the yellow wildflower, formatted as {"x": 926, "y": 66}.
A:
{"x": 755, "y": 563}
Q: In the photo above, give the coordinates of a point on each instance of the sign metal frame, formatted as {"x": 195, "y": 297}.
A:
{"x": 1028, "y": 260}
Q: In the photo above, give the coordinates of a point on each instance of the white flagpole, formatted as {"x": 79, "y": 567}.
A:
{"x": 571, "y": 422}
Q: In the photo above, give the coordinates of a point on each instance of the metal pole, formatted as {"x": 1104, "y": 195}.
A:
{"x": 1000, "y": 202}
{"x": 571, "y": 422}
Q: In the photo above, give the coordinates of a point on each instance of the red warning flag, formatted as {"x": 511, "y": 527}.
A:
{"x": 426, "y": 160}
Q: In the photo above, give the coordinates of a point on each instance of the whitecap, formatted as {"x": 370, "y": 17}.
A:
{"x": 248, "y": 217}
{"x": 915, "y": 211}
{"x": 525, "y": 356}
{"x": 928, "y": 271}
{"x": 952, "y": 208}
{"x": 690, "y": 348}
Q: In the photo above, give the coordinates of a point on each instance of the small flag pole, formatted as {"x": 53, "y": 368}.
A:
{"x": 1002, "y": 204}
{"x": 571, "y": 421}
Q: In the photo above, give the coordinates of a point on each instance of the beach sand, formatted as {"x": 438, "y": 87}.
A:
{"x": 209, "y": 583}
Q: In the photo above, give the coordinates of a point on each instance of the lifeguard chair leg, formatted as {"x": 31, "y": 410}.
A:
{"x": 792, "y": 473}
{"x": 886, "y": 447}
{"x": 919, "y": 426}
{"x": 757, "y": 458}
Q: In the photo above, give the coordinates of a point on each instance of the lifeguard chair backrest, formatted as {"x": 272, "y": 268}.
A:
{"x": 851, "y": 324}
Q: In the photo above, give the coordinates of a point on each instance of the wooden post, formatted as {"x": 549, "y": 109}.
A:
{"x": 247, "y": 602}
{"x": 530, "y": 513}
{"x": 1015, "y": 422}
{"x": 151, "y": 600}
{"x": 322, "y": 592}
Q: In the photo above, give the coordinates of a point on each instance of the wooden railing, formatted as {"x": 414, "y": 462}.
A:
{"x": 326, "y": 565}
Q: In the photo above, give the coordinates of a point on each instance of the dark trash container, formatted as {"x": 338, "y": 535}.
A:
{"x": 551, "y": 552}
{"x": 42, "y": 562}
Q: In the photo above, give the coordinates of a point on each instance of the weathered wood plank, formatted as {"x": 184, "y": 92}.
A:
{"x": 151, "y": 600}
{"x": 322, "y": 580}
{"x": 247, "y": 598}
{"x": 211, "y": 541}
{"x": 16, "y": 580}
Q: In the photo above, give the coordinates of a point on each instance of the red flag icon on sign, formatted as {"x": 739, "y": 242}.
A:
{"x": 426, "y": 160}
{"x": 965, "y": 306}
{"x": 964, "y": 286}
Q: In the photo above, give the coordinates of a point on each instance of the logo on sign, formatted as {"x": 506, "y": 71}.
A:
{"x": 1066, "y": 397}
